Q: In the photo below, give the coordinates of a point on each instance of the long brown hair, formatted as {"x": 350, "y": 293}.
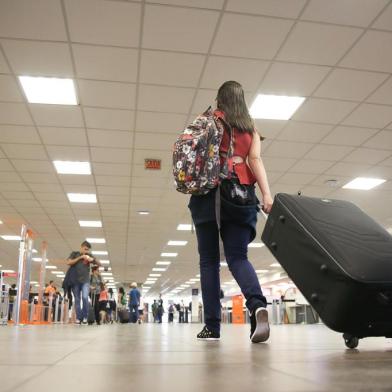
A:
{"x": 231, "y": 101}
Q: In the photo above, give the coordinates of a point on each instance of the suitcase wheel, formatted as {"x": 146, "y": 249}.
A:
{"x": 350, "y": 341}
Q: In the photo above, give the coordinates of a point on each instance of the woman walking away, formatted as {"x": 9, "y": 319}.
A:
{"x": 238, "y": 215}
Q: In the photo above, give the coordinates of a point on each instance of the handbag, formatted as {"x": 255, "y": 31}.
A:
{"x": 239, "y": 194}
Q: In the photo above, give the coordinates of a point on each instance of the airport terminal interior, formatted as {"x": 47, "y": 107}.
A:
{"x": 93, "y": 96}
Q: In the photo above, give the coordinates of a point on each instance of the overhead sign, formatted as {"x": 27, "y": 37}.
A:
{"x": 152, "y": 164}
{"x": 10, "y": 274}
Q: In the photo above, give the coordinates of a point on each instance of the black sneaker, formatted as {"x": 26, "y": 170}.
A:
{"x": 259, "y": 326}
{"x": 206, "y": 334}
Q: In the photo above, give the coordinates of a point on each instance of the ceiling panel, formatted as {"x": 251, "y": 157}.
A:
{"x": 212, "y": 4}
{"x": 371, "y": 52}
{"x": 38, "y": 58}
{"x": 33, "y": 166}
{"x": 253, "y": 37}
{"x": 382, "y": 140}
{"x": 18, "y": 134}
{"x": 324, "y": 111}
{"x": 57, "y": 115}
{"x": 24, "y": 151}
{"x": 160, "y": 122}
{"x": 64, "y": 153}
{"x": 103, "y": 23}
{"x": 371, "y": 116}
{"x": 111, "y": 155}
{"x": 105, "y": 63}
{"x": 109, "y": 118}
{"x": 350, "y": 84}
{"x": 346, "y": 12}
{"x": 178, "y": 29}
{"x": 328, "y": 153}
{"x": 349, "y": 136}
{"x": 175, "y": 69}
{"x": 107, "y": 138}
{"x": 288, "y": 149}
{"x": 108, "y": 169}
{"x": 283, "y": 8}
{"x": 367, "y": 155}
{"x": 383, "y": 94}
{"x": 9, "y": 89}
{"x": 316, "y": 43}
{"x": 304, "y": 132}
{"x": 384, "y": 21}
{"x": 63, "y": 136}
{"x": 107, "y": 94}
{"x": 14, "y": 113}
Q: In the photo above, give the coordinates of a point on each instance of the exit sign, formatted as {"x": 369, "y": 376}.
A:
{"x": 153, "y": 164}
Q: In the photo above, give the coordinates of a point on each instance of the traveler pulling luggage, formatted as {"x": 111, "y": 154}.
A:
{"x": 124, "y": 316}
{"x": 339, "y": 258}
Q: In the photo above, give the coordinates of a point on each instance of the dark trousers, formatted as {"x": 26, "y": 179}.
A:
{"x": 95, "y": 304}
{"x": 134, "y": 310}
{"x": 171, "y": 317}
{"x": 235, "y": 242}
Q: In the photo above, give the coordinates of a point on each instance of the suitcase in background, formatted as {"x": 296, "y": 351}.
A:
{"x": 339, "y": 258}
{"x": 124, "y": 316}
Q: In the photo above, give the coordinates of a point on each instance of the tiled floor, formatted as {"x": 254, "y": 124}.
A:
{"x": 168, "y": 358}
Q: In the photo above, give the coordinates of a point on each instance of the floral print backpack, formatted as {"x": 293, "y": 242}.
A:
{"x": 196, "y": 161}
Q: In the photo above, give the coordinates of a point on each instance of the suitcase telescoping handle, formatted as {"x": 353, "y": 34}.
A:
{"x": 263, "y": 214}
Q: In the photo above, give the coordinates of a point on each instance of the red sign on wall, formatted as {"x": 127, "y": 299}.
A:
{"x": 153, "y": 164}
{"x": 10, "y": 274}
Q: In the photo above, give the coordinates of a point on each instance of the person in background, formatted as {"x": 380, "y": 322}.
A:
{"x": 103, "y": 303}
{"x": 121, "y": 298}
{"x": 111, "y": 309}
{"x": 134, "y": 302}
{"x": 160, "y": 309}
{"x": 79, "y": 263}
{"x": 171, "y": 313}
{"x": 182, "y": 312}
{"x": 95, "y": 288}
{"x": 12, "y": 292}
{"x": 154, "y": 310}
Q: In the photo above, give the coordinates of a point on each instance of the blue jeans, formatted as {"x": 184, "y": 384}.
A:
{"x": 84, "y": 288}
{"x": 134, "y": 310}
{"x": 235, "y": 242}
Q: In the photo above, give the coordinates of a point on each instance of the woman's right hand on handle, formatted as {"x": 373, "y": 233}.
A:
{"x": 267, "y": 203}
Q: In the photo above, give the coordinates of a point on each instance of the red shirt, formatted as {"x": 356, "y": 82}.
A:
{"x": 242, "y": 143}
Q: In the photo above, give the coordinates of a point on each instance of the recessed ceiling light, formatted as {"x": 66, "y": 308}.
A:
{"x": 38, "y": 259}
{"x": 104, "y": 261}
{"x": 72, "y": 167}
{"x": 184, "y": 227}
{"x": 169, "y": 254}
{"x": 50, "y": 267}
{"x": 177, "y": 243}
{"x": 261, "y": 271}
{"x": 57, "y": 272}
{"x": 100, "y": 252}
{"x": 364, "y": 183}
{"x": 144, "y": 212}
{"x": 11, "y": 237}
{"x": 198, "y": 276}
{"x": 275, "y": 107}
{"x": 106, "y": 274}
{"x": 90, "y": 223}
{"x": 275, "y": 265}
{"x": 163, "y": 262}
{"x": 159, "y": 269}
{"x": 154, "y": 275}
{"x": 96, "y": 240}
{"x": 82, "y": 197}
{"x": 223, "y": 264}
{"x": 8, "y": 271}
{"x": 1, "y": 222}
{"x": 195, "y": 280}
{"x": 256, "y": 245}
{"x": 53, "y": 91}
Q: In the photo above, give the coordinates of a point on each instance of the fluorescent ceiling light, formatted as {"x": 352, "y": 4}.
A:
{"x": 198, "y": 276}
{"x": 154, "y": 275}
{"x": 106, "y": 274}
{"x": 177, "y": 243}
{"x": 144, "y": 212}
{"x": 72, "y": 167}
{"x": 364, "y": 183}
{"x": 185, "y": 285}
{"x": 82, "y": 197}
{"x": 96, "y": 240}
{"x": 35, "y": 251}
{"x": 184, "y": 227}
{"x": 169, "y": 254}
{"x": 195, "y": 280}
{"x": 223, "y": 264}
{"x": 100, "y": 253}
{"x": 275, "y": 265}
{"x": 159, "y": 269}
{"x": 256, "y": 245}
{"x": 54, "y": 91}
{"x": 104, "y": 261}
{"x": 90, "y": 224}
{"x": 261, "y": 271}
{"x": 1, "y": 222}
{"x": 11, "y": 237}
{"x": 50, "y": 267}
{"x": 163, "y": 262}
{"x": 275, "y": 107}
{"x": 57, "y": 272}
{"x": 38, "y": 259}
{"x": 8, "y": 271}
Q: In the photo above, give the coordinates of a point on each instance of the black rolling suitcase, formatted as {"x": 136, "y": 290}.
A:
{"x": 339, "y": 258}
